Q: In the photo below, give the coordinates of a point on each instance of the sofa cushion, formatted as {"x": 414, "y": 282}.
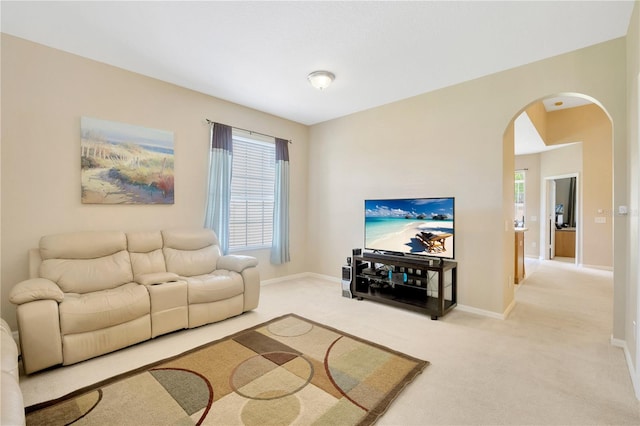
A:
{"x": 82, "y": 245}
{"x": 144, "y": 242}
{"x": 148, "y": 263}
{"x": 189, "y": 239}
{"x": 189, "y": 263}
{"x": 89, "y": 275}
{"x": 220, "y": 285}
{"x": 190, "y": 252}
{"x": 146, "y": 252}
{"x": 80, "y": 313}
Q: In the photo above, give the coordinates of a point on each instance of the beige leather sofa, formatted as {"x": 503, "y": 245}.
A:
{"x": 95, "y": 292}
{"x": 12, "y": 409}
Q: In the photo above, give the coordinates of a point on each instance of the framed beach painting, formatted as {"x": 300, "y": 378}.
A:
{"x": 125, "y": 164}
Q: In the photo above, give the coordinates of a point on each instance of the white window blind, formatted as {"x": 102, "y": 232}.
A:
{"x": 252, "y": 194}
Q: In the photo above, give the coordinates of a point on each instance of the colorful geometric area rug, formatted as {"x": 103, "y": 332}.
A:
{"x": 289, "y": 370}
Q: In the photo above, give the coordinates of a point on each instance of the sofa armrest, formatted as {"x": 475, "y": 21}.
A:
{"x": 35, "y": 289}
{"x": 12, "y": 404}
{"x": 236, "y": 263}
{"x": 156, "y": 278}
{"x": 9, "y": 352}
{"x": 12, "y": 407}
{"x": 39, "y": 330}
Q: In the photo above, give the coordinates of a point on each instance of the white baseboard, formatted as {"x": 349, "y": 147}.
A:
{"x": 632, "y": 372}
{"x": 599, "y": 267}
{"x": 485, "y": 313}
{"x": 618, "y": 343}
{"x": 507, "y": 311}
{"x": 299, "y": 276}
{"x": 284, "y": 278}
{"x": 324, "y": 277}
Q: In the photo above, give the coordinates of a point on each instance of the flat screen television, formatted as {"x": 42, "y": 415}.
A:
{"x": 420, "y": 226}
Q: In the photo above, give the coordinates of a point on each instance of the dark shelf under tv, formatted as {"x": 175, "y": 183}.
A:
{"x": 429, "y": 286}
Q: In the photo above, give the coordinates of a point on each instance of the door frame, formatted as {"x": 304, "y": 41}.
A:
{"x": 547, "y": 211}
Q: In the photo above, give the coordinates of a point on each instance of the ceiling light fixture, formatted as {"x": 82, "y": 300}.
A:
{"x": 321, "y": 79}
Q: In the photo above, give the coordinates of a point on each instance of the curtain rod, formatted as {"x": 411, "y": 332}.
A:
{"x": 210, "y": 122}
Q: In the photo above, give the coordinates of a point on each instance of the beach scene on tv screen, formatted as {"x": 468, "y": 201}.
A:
{"x": 417, "y": 225}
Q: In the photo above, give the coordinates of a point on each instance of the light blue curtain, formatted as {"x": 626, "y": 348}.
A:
{"x": 280, "y": 243}
{"x": 219, "y": 195}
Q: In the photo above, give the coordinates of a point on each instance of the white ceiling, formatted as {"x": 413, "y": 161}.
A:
{"x": 556, "y": 103}
{"x": 258, "y": 54}
{"x": 527, "y": 138}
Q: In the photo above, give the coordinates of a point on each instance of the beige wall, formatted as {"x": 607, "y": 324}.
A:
{"x": 450, "y": 142}
{"x": 538, "y": 115}
{"x": 44, "y": 94}
{"x": 508, "y": 237}
{"x": 630, "y": 296}
{"x": 590, "y": 125}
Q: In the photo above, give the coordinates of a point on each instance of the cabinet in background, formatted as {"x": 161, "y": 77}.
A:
{"x": 519, "y": 256}
{"x": 566, "y": 242}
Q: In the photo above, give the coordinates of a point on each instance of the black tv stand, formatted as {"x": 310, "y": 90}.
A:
{"x": 417, "y": 283}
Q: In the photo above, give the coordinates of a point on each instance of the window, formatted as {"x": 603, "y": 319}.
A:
{"x": 252, "y": 193}
{"x": 519, "y": 196}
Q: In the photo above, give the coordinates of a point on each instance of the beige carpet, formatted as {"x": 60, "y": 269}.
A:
{"x": 550, "y": 362}
{"x": 287, "y": 371}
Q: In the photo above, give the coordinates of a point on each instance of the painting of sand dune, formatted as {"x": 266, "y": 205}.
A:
{"x": 125, "y": 164}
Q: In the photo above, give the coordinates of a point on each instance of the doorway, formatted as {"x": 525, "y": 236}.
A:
{"x": 562, "y": 208}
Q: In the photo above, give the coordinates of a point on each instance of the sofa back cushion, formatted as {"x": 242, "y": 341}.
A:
{"x": 190, "y": 252}
{"x": 145, "y": 249}
{"x": 82, "y": 262}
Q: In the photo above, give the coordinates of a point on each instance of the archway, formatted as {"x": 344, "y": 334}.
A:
{"x": 577, "y": 137}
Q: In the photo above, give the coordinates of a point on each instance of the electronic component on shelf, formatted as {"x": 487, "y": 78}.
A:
{"x": 398, "y": 277}
{"x": 346, "y": 281}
